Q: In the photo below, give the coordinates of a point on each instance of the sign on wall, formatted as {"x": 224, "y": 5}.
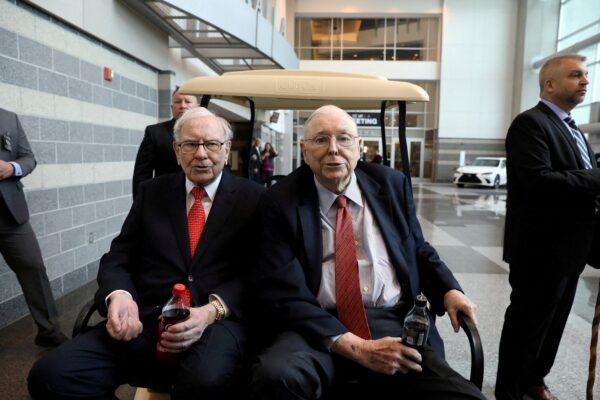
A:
{"x": 366, "y": 119}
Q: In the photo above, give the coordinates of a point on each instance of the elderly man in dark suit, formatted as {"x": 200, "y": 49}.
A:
{"x": 18, "y": 243}
{"x": 155, "y": 156}
{"x": 342, "y": 259}
{"x": 551, "y": 216}
{"x": 192, "y": 227}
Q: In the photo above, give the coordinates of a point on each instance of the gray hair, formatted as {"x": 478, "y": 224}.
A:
{"x": 201, "y": 112}
{"x": 550, "y": 67}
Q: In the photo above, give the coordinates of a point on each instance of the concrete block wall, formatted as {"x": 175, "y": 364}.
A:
{"x": 84, "y": 132}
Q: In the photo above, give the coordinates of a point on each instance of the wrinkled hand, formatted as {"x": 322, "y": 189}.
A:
{"x": 123, "y": 318}
{"x": 181, "y": 336}
{"x": 6, "y": 170}
{"x": 455, "y": 301}
{"x": 386, "y": 356}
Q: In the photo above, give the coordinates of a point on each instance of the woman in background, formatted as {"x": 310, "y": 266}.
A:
{"x": 268, "y": 154}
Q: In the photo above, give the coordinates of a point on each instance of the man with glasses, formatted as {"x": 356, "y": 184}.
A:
{"x": 155, "y": 156}
{"x": 191, "y": 227}
{"x": 342, "y": 258}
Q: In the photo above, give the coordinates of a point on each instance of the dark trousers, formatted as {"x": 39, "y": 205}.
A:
{"x": 292, "y": 369}
{"x": 22, "y": 253}
{"x": 93, "y": 365}
{"x": 534, "y": 322}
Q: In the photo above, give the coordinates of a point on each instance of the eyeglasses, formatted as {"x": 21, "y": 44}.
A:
{"x": 189, "y": 146}
{"x": 342, "y": 140}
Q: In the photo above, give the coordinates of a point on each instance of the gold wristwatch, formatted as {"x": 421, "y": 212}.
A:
{"x": 220, "y": 309}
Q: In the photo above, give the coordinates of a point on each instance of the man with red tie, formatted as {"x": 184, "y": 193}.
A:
{"x": 191, "y": 227}
{"x": 342, "y": 259}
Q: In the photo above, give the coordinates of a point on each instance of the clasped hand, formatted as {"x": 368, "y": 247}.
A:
{"x": 6, "y": 170}
{"x": 123, "y": 318}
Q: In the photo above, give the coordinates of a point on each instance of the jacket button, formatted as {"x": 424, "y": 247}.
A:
{"x": 190, "y": 278}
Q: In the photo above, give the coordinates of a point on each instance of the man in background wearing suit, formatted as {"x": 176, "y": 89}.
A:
{"x": 551, "y": 216}
{"x": 155, "y": 155}
{"x": 18, "y": 243}
{"x": 342, "y": 258}
{"x": 193, "y": 227}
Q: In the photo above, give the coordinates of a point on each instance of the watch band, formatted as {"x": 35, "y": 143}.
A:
{"x": 220, "y": 309}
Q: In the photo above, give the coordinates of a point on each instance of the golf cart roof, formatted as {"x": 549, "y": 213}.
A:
{"x": 303, "y": 90}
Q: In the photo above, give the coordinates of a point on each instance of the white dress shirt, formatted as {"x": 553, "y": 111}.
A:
{"x": 378, "y": 282}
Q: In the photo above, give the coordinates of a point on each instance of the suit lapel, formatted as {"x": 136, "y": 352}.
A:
{"x": 568, "y": 136}
{"x": 381, "y": 208}
{"x": 310, "y": 223}
{"x": 219, "y": 213}
{"x": 176, "y": 207}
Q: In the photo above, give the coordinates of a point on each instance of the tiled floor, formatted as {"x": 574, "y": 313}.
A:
{"x": 466, "y": 226}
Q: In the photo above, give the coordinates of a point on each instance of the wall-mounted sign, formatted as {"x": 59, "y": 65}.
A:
{"x": 366, "y": 119}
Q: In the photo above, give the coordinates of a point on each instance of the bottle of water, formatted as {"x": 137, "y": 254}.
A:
{"x": 176, "y": 310}
{"x": 416, "y": 324}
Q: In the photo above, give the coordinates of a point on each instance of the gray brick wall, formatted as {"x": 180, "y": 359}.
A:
{"x": 28, "y": 63}
{"x": 75, "y": 226}
{"x": 63, "y": 142}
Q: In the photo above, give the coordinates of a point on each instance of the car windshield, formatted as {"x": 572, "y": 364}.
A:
{"x": 483, "y": 162}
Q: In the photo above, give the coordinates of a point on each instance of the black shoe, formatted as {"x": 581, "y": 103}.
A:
{"x": 53, "y": 339}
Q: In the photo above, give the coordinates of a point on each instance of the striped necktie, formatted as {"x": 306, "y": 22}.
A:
{"x": 348, "y": 298}
{"x": 580, "y": 142}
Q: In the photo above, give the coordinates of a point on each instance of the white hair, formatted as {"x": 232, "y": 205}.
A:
{"x": 327, "y": 109}
{"x": 201, "y": 112}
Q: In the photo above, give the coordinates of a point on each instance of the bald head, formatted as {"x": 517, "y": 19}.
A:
{"x": 329, "y": 112}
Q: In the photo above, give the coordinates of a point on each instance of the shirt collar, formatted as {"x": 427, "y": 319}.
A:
{"x": 560, "y": 113}
{"x": 327, "y": 197}
{"x": 210, "y": 189}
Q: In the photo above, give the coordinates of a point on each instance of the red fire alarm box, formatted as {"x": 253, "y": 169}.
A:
{"x": 108, "y": 74}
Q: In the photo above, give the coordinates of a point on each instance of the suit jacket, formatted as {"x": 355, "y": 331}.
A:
{"x": 551, "y": 204}
{"x": 11, "y": 189}
{"x": 155, "y": 156}
{"x": 289, "y": 274}
{"x": 152, "y": 253}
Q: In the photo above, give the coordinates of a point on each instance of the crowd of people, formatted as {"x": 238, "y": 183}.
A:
{"x": 306, "y": 284}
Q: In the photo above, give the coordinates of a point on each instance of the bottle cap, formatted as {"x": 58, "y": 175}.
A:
{"x": 421, "y": 300}
{"x": 179, "y": 289}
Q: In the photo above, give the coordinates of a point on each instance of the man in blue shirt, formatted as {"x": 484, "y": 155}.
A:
{"x": 551, "y": 217}
{"x": 18, "y": 243}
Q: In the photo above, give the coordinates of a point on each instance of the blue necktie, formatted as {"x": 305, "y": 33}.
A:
{"x": 580, "y": 142}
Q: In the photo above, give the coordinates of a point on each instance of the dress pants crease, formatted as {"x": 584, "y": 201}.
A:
{"x": 292, "y": 369}
{"x": 99, "y": 364}
{"x": 22, "y": 253}
{"x": 540, "y": 303}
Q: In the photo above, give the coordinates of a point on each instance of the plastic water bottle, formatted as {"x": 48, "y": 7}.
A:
{"x": 416, "y": 324}
{"x": 175, "y": 311}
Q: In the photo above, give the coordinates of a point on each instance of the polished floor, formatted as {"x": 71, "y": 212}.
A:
{"x": 466, "y": 226}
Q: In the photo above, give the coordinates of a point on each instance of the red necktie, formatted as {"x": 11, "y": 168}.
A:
{"x": 350, "y": 306}
{"x": 196, "y": 218}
